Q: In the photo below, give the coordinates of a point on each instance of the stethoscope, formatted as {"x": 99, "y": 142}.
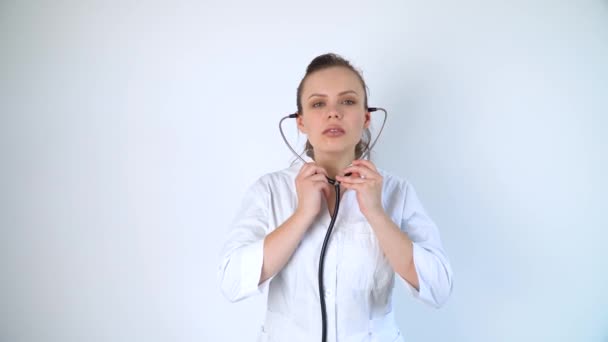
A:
{"x": 336, "y": 185}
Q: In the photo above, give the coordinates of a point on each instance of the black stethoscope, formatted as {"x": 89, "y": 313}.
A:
{"x": 336, "y": 185}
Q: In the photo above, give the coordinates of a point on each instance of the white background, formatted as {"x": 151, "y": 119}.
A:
{"x": 130, "y": 131}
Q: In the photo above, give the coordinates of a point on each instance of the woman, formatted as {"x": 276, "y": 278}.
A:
{"x": 381, "y": 227}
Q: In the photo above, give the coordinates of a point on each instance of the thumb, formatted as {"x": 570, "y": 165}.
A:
{"x": 327, "y": 189}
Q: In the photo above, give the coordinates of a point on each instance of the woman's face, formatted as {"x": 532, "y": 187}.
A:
{"x": 333, "y": 112}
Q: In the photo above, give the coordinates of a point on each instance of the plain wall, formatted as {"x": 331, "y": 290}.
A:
{"x": 130, "y": 130}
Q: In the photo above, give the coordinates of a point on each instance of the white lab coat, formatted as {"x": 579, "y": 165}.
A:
{"x": 358, "y": 279}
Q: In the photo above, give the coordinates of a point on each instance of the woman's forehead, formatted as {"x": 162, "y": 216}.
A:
{"x": 332, "y": 81}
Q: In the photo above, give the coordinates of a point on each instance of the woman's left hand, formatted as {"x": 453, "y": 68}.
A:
{"x": 367, "y": 182}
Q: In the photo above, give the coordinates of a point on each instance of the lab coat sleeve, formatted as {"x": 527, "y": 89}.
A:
{"x": 243, "y": 253}
{"x": 432, "y": 265}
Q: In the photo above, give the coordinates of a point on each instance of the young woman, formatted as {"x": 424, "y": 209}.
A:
{"x": 381, "y": 228}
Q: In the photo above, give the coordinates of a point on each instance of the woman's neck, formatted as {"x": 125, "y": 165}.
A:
{"x": 333, "y": 163}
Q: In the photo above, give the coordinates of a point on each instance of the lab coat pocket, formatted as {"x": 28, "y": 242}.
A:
{"x": 399, "y": 337}
{"x": 385, "y": 329}
{"x": 263, "y": 336}
{"x": 358, "y": 256}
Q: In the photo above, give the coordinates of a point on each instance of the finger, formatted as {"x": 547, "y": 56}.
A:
{"x": 361, "y": 170}
{"x": 320, "y": 170}
{"x": 322, "y": 186}
{"x": 326, "y": 190}
{"x": 353, "y": 186}
{"x": 307, "y": 169}
{"x": 310, "y": 169}
{"x": 303, "y": 171}
{"x": 364, "y": 166}
{"x": 318, "y": 178}
{"x": 365, "y": 163}
{"x": 314, "y": 168}
{"x": 350, "y": 180}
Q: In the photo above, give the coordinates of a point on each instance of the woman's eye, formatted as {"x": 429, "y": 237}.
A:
{"x": 317, "y": 104}
{"x": 349, "y": 102}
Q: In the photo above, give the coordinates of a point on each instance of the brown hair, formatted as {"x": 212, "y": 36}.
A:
{"x": 326, "y": 61}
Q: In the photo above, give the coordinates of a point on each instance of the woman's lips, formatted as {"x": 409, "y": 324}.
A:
{"x": 334, "y": 132}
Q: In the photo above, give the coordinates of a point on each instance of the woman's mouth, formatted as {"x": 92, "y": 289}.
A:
{"x": 333, "y": 132}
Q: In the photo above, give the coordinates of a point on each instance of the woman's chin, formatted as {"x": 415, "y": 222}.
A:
{"x": 336, "y": 151}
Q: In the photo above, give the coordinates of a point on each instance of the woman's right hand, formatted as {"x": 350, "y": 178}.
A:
{"x": 311, "y": 184}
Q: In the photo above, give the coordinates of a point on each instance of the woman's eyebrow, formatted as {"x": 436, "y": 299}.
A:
{"x": 342, "y": 93}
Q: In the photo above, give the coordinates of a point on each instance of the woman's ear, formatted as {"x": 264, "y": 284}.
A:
{"x": 300, "y": 122}
{"x": 368, "y": 120}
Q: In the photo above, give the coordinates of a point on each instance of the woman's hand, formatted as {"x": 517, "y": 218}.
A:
{"x": 311, "y": 184}
{"x": 367, "y": 182}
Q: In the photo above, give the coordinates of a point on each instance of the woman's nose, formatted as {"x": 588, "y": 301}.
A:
{"x": 333, "y": 112}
